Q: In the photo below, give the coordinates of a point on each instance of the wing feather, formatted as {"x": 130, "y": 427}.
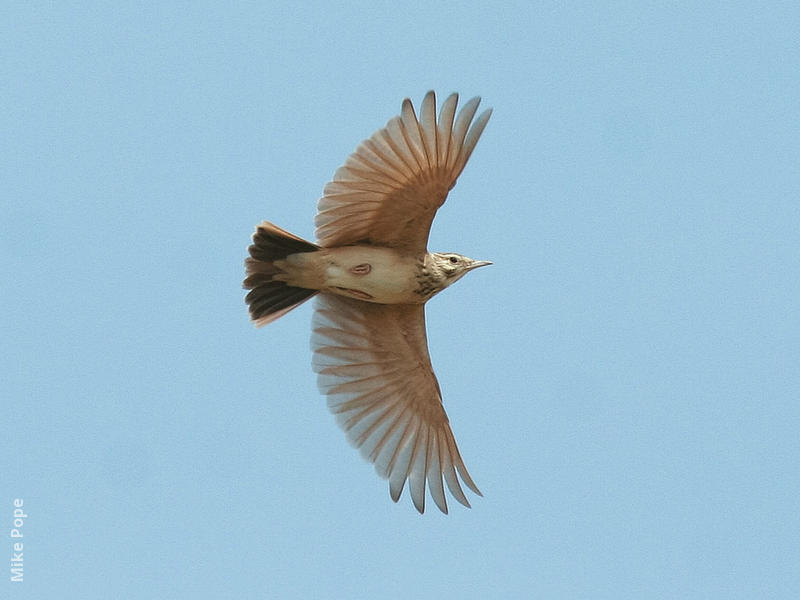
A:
{"x": 450, "y": 476}
{"x": 446, "y": 116}
{"x": 428, "y": 131}
{"x": 463, "y": 120}
{"x": 398, "y": 472}
{"x": 473, "y": 135}
{"x": 388, "y": 190}
{"x": 372, "y": 362}
{"x": 407, "y": 134}
{"x": 434, "y": 472}
{"x": 418, "y": 470}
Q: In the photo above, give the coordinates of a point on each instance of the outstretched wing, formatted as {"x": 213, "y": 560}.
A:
{"x": 389, "y": 189}
{"x": 373, "y": 364}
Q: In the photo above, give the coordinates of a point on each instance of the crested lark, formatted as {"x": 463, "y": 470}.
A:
{"x": 372, "y": 275}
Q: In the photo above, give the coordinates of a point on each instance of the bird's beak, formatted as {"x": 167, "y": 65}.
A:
{"x": 479, "y": 263}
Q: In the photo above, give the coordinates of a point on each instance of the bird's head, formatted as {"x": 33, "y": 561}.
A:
{"x": 450, "y": 267}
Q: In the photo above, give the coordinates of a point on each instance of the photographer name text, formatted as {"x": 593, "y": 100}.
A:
{"x": 16, "y": 535}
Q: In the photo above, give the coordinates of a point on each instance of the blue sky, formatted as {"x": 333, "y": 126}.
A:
{"x": 623, "y": 382}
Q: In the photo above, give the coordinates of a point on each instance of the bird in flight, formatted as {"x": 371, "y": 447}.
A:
{"x": 372, "y": 274}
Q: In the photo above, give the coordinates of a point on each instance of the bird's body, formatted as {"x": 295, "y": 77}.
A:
{"x": 372, "y": 274}
{"x": 369, "y": 273}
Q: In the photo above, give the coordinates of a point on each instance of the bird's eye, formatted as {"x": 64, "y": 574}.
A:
{"x": 453, "y": 260}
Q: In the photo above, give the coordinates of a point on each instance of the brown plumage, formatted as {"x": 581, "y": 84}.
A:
{"x": 373, "y": 273}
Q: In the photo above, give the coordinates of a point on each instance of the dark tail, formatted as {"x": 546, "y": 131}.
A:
{"x": 269, "y": 300}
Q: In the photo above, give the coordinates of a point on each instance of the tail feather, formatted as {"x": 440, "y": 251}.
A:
{"x": 269, "y": 300}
